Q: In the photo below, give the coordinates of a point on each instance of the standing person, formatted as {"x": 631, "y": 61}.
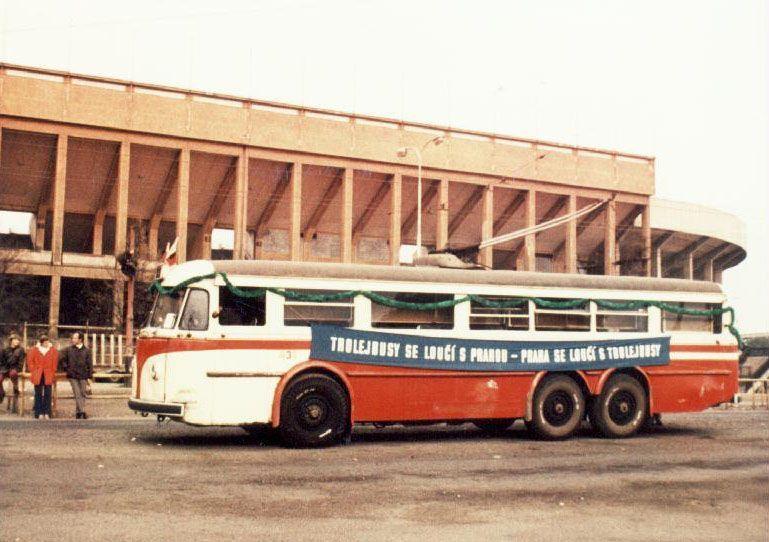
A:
{"x": 11, "y": 364}
{"x": 77, "y": 363}
{"x": 42, "y": 362}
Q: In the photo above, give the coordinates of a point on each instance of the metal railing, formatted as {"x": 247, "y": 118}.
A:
{"x": 756, "y": 394}
{"x": 108, "y": 347}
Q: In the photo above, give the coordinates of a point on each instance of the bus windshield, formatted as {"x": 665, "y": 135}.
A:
{"x": 166, "y": 310}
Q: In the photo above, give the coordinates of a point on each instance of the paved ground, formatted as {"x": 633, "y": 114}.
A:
{"x": 700, "y": 477}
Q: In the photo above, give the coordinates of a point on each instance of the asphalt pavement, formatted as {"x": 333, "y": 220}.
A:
{"x": 699, "y": 477}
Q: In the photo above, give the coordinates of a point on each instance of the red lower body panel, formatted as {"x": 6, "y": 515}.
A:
{"x": 396, "y": 394}
{"x": 692, "y": 385}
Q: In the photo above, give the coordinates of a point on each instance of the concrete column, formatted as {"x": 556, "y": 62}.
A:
{"x": 570, "y": 247}
{"x": 395, "y": 219}
{"x": 689, "y": 266}
{"x": 152, "y": 237}
{"x": 121, "y": 218}
{"x": 559, "y": 261}
{"x": 609, "y": 238}
{"x": 53, "y": 306}
{"x": 530, "y": 241}
{"x": 347, "y": 202}
{"x": 718, "y": 274}
{"x": 182, "y": 203}
{"x": 118, "y": 301}
{"x": 658, "y": 263}
{"x": 486, "y": 256}
{"x": 205, "y": 240}
{"x": 98, "y": 232}
{"x": 709, "y": 267}
{"x": 241, "y": 208}
{"x": 646, "y": 231}
{"x": 40, "y": 228}
{"x": 59, "y": 193}
{"x": 442, "y": 222}
{"x": 296, "y": 212}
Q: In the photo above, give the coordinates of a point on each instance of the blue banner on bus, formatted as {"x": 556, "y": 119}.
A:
{"x": 332, "y": 343}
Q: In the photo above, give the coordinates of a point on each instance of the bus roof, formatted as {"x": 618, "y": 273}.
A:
{"x": 384, "y": 273}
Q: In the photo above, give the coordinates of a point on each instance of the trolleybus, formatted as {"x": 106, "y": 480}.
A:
{"x": 312, "y": 349}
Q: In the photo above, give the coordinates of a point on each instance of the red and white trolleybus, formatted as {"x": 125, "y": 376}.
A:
{"x": 312, "y": 349}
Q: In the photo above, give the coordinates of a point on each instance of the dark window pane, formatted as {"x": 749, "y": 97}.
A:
{"x": 240, "y": 311}
{"x": 383, "y": 316}
{"x": 562, "y": 322}
{"x": 338, "y": 312}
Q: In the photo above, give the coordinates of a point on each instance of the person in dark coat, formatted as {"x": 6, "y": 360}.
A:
{"x": 75, "y": 360}
{"x": 42, "y": 361}
{"x": 11, "y": 364}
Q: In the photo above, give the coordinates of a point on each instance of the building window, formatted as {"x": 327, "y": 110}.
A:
{"x": 305, "y": 313}
{"x": 482, "y": 317}
{"x": 383, "y": 316}
{"x": 240, "y": 311}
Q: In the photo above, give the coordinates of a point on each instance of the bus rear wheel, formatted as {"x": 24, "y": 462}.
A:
{"x": 314, "y": 412}
{"x": 620, "y": 410}
{"x": 557, "y": 408}
{"x": 494, "y": 425}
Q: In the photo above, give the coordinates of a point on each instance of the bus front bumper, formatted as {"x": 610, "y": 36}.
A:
{"x": 174, "y": 410}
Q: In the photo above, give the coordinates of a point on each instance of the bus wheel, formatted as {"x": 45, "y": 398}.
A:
{"x": 620, "y": 410}
{"x": 557, "y": 408}
{"x": 494, "y": 426}
{"x": 314, "y": 412}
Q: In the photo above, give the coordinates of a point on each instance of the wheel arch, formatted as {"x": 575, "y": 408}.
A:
{"x": 314, "y": 367}
{"x": 577, "y": 376}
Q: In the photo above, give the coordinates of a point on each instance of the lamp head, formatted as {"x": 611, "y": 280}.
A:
{"x": 402, "y": 152}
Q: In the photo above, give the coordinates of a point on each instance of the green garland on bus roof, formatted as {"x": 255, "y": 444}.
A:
{"x": 380, "y": 299}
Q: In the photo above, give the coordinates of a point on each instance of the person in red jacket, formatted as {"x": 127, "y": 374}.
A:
{"x": 42, "y": 361}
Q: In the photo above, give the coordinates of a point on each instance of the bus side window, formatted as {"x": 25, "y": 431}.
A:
{"x": 304, "y": 313}
{"x": 575, "y": 319}
{"x": 195, "y": 315}
{"x": 686, "y": 322}
{"x": 240, "y": 311}
{"x": 483, "y": 317}
{"x": 622, "y": 321}
{"x": 383, "y": 316}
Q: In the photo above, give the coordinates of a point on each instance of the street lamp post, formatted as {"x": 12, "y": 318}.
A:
{"x": 402, "y": 152}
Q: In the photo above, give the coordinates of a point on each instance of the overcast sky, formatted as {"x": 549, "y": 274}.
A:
{"x": 683, "y": 81}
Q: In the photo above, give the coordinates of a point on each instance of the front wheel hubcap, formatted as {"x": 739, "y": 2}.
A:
{"x": 313, "y": 412}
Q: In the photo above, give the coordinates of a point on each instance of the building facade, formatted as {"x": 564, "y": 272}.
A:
{"x": 103, "y": 164}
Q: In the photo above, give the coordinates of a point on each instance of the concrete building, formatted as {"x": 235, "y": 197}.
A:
{"x": 98, "y": 162}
